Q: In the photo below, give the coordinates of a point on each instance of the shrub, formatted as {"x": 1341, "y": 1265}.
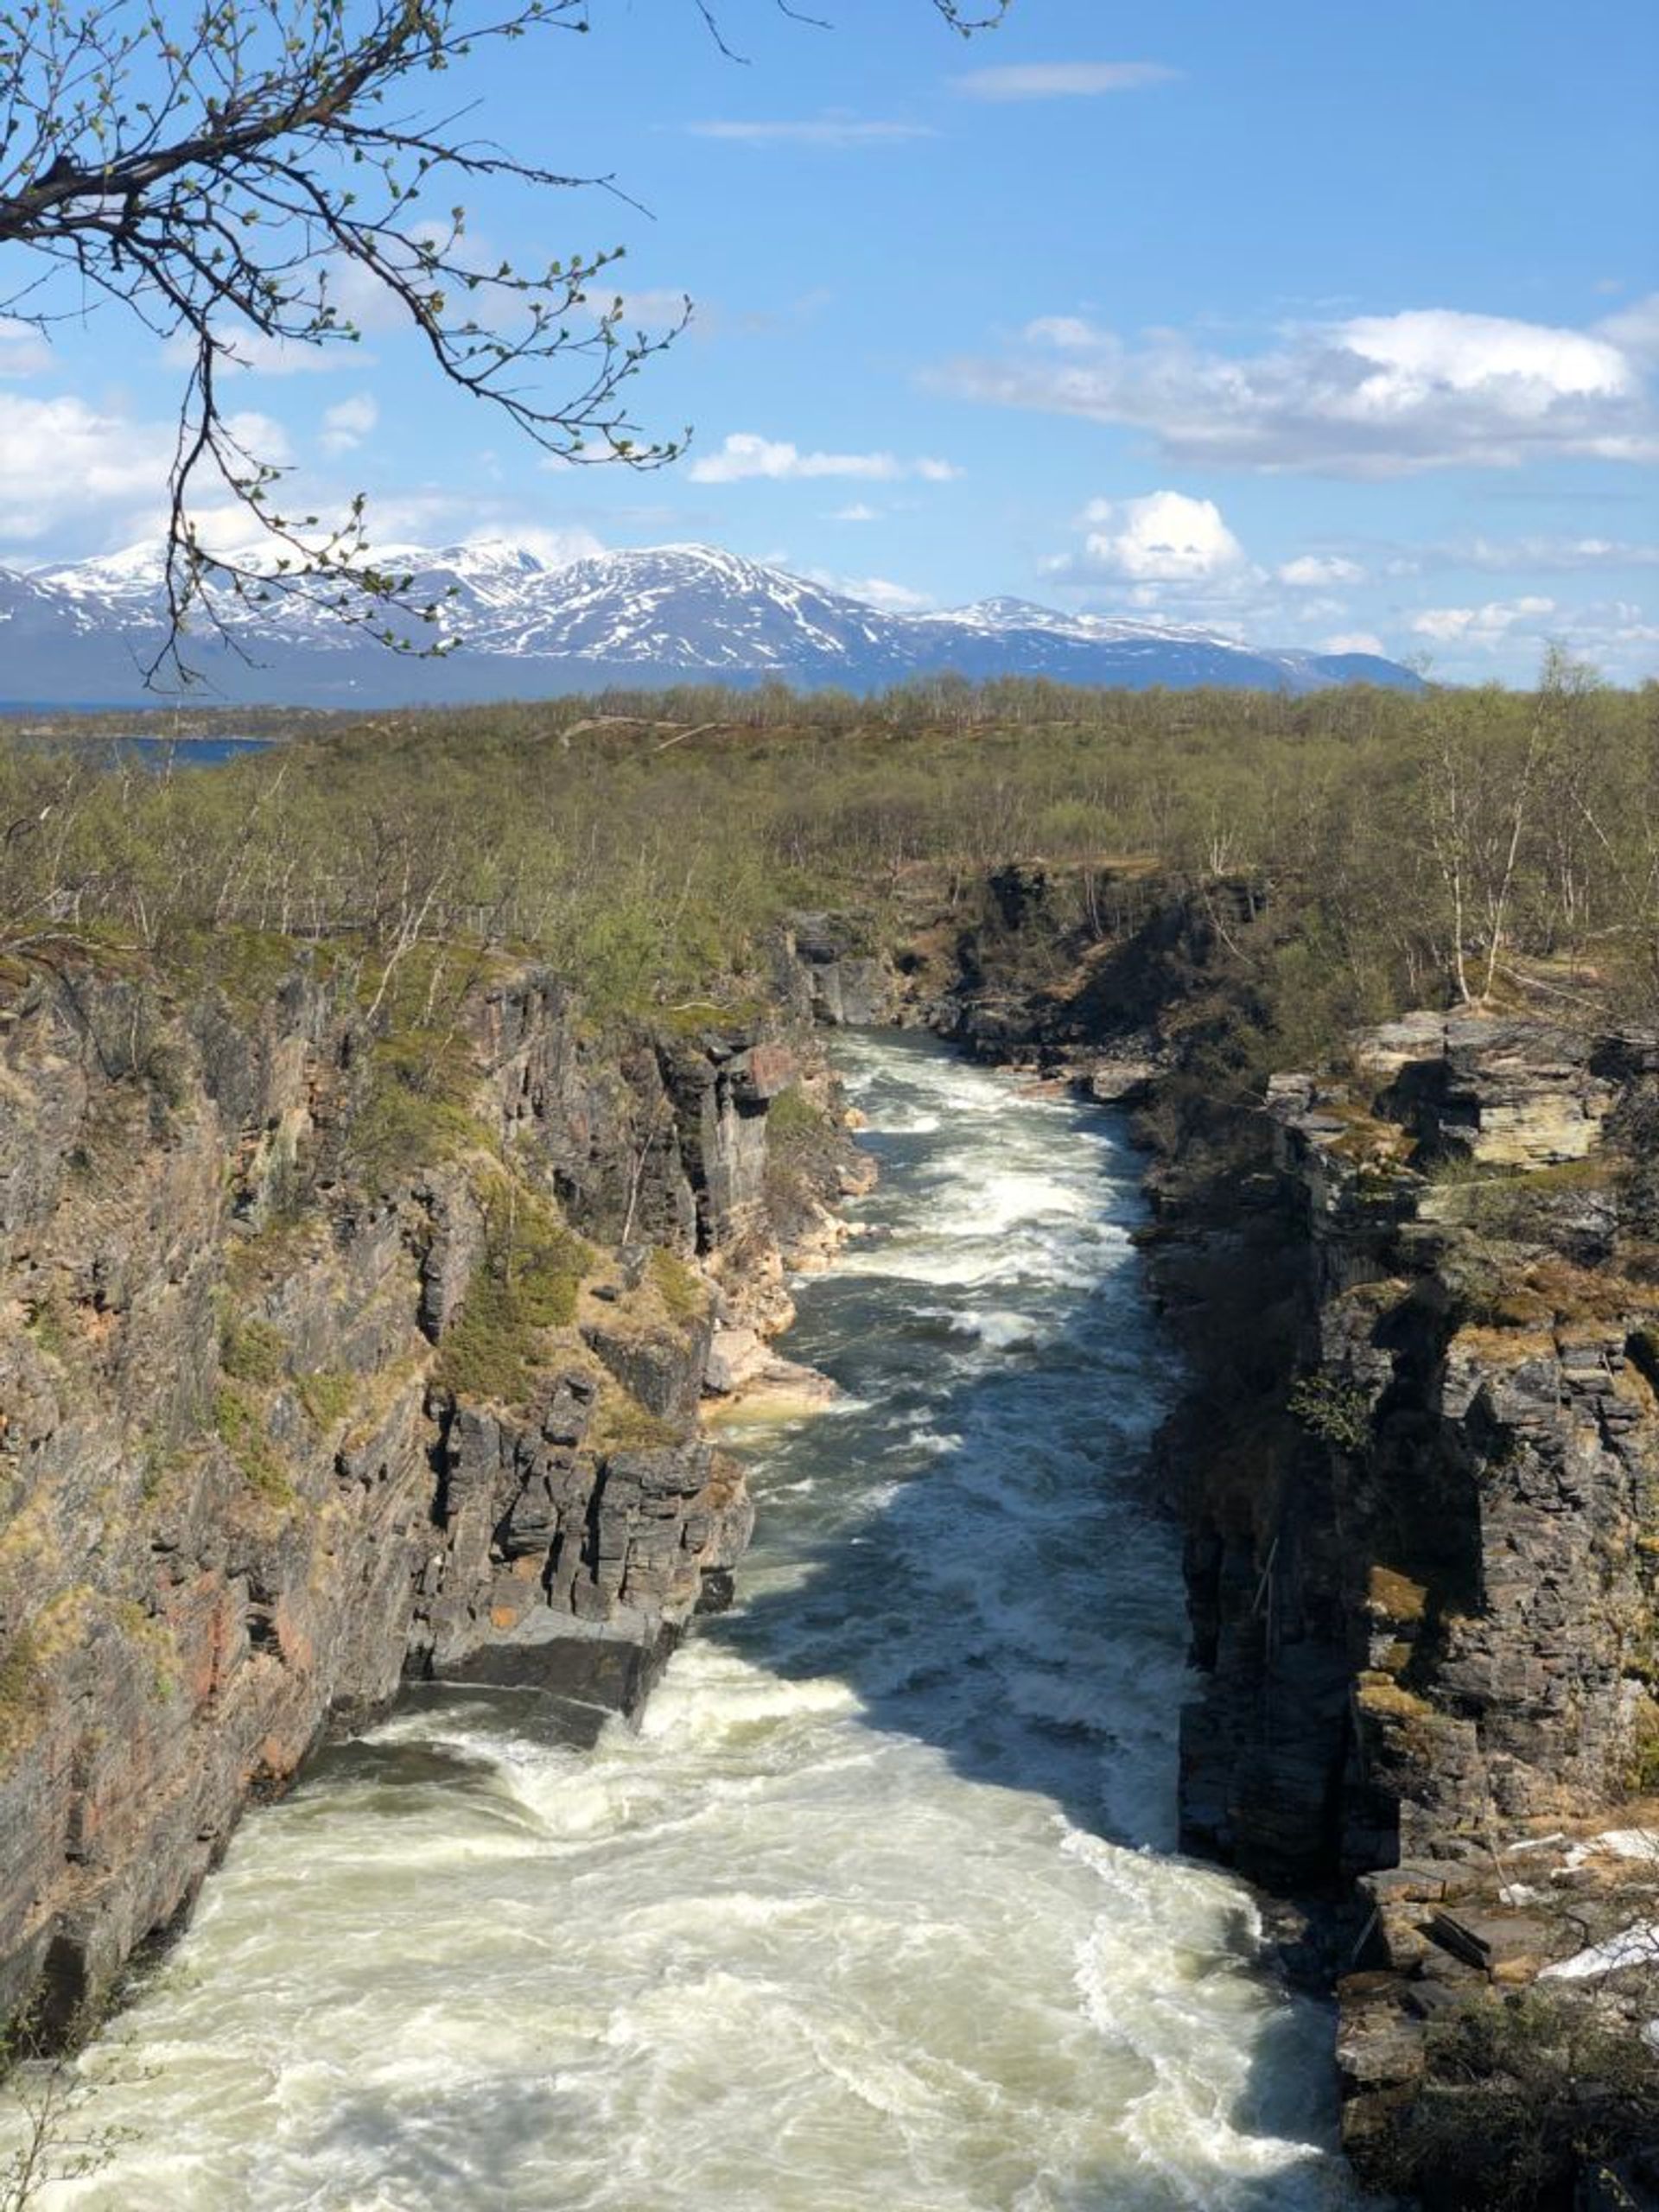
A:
{"x": 1523, "y": 2094}
{"x": 414, "y": 1113}
{"x": 327, "y": 1393}
{"x": 680, "y": 1287}
{"x": 240, "y": 1422}
{"x": 252, "y": 1351}
{"x": 1339, "y": 1413}
{"x": 525, "y": 1285}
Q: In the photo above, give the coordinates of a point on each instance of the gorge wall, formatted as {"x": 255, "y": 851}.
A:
{"x": 338, "y": 1345}
{"x": 1417, "y": 1466}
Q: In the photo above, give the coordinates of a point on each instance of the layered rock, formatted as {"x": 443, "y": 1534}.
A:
{"x": 1427, "y": 1612}
{"x": 328, "y": 1353}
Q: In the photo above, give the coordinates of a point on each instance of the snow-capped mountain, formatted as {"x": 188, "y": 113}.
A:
{"x": 669, "y": 614}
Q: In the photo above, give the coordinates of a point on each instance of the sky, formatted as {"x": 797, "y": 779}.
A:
{"x": 1335, "y": 327}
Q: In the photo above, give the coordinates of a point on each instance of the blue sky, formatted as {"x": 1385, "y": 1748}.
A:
{"x": 1320, "y": 326}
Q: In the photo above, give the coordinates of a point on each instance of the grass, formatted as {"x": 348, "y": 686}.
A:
{"x": 1384, "y": 1699}
{"x": 525, "y": 1287}
{"x": 239, "y": 1420}
{"x": 328, "y": 1395}
{"x": 21, "y": 1698}
{"x": 153, "y": 1637}
{"x": 792, "y": 1114}
{"x": 620, "y": 1423}
{"x": 683, "y": 1294}
{"x": 1394, "y": 1597}
{"x": 46, "y": 1322}
{"x": 252, "y": 1351}
{"x": 274, "y": 1250}
{"x": 414, "y": 1111}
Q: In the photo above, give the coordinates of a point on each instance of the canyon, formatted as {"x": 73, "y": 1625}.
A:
{"x": 321, "y": 1374}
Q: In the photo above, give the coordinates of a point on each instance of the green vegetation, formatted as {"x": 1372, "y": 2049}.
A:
{"x": 21, "y": 1709}
{"x": 681, "y": 1288}
{"x": 239, "y": 1419}
{"x": 1339, "y": 1413}
{"x": 252, "y": 1351}
{"x": 328, "y": 1395}
{"x": 1384, "y": 849}
{"x": 792, "y": 1115}
{"x": 525, "y": 1285}
{"x": 620, "y": 1423}
{"x": 414, "y": 1114}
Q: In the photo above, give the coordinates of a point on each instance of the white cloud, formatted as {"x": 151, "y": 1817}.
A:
{"x": 440, "y": 518}
{"x": 1165, "y": 537}
{"x": 859, "y": 511}
{"x": 1619, "y": 637}
{"x": 346, "y": 425}
{"x": 251, "y": 352}
{"x": 23, "y": 351}
{"x": 875, "y": 591}
{"x": 1491, "y": 625}
{"x": 259, "y": 437}
{"x": 1069, "y": 331}
{"x": 1525, "y": 556}
{"x": 1309, "y": 614}
{"x": 554, "y": 548}
{"x": 745, "y": 458}
{"x": 1354, "y": 641}
{"x": 419, "y": 519}
{"x": 1634, "y": 329}
{"x": 835, "y": 131}
{"x": 1371, "y": 396}
{"x": 64, "y": 463}
{"x": 1048, "y": 80}
{"x": 1316, "y": 571}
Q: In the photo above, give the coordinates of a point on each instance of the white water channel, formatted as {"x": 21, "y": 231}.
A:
{"x": 876, "y": 1913}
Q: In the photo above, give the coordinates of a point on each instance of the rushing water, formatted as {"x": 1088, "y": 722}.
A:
{"x": 876, "y": 1914}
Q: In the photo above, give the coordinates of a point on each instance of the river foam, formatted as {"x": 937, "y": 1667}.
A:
{"x": 876, "y": 1908}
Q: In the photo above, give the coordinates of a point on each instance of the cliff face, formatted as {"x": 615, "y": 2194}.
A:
{"x": 328, "y": 1355}
{"x": 1426, "y": 1606}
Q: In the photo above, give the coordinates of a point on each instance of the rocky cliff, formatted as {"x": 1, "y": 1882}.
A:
{"x": 337, "y": 1345}
{"x": 1417, "y": 1464}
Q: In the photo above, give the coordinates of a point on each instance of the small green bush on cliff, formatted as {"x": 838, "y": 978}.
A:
{"x": 252, "y": 1351}
{"x": 792, "y": 1118}
{"x": 622, "y": 1423}
{"x": 239, "y": 1420}
{"x": 20, "y": 1697}
{"x": 1339, "y": 1413}
{"x": 328, "y": 1395}
{"x": 525, "y": 1285}
{"x": 414, "y": 1113}
{"x": 684, "y": 1296}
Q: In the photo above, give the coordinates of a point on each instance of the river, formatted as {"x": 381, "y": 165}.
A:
{"x": 877, "y": 1912}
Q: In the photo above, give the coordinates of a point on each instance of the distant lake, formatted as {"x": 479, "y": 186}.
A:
{"x": 185, "y": 752}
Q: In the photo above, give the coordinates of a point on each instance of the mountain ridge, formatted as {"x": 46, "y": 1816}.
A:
{"x": 646, "y": 615}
